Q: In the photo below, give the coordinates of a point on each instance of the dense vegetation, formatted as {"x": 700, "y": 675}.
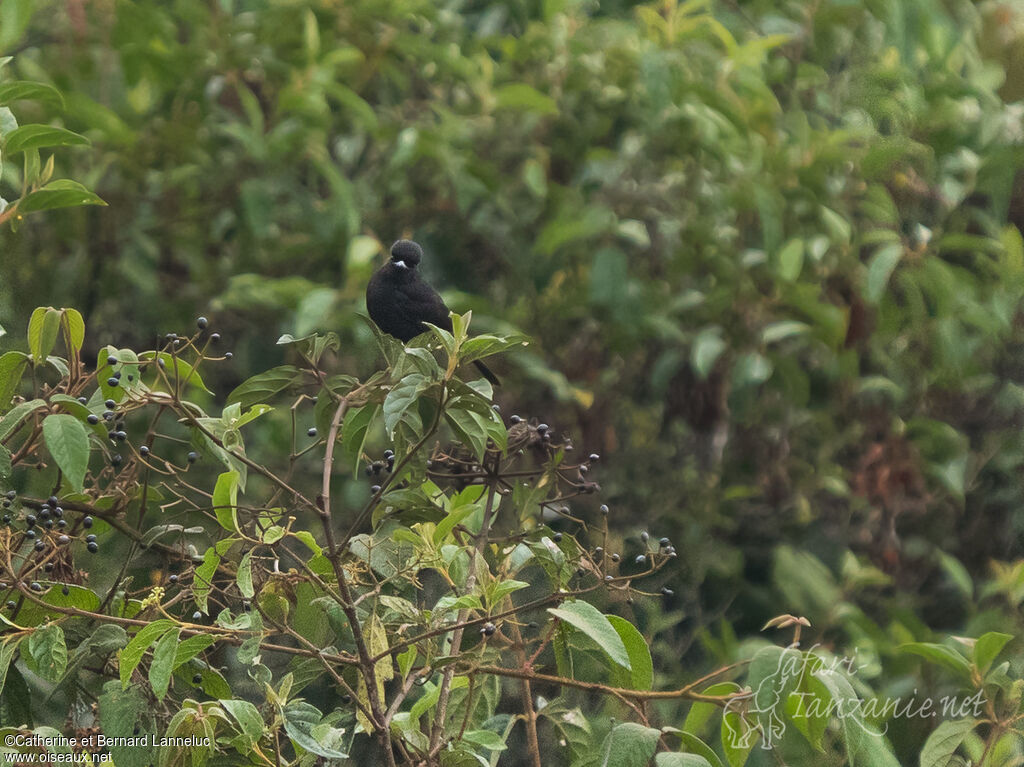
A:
{"x": 769, "y": 260}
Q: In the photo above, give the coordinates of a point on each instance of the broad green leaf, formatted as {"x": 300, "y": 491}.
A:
{"x": 488, "y": 739}
{"x": 68, "y": 443}
{"x": 244, "y": 577}
{"x": 178, "y": 371}
{"x": 401, "y": 398}
{"x": 522, "y": 97}
{"x": 43, "y": 327}
{"x": 29, "y": 137}
{"x": 262, "y": 387}
{"x": 190, "y": 648}
{"x": 944, "y": 741}
{"x": 300, "y": 719}
{"x": 48, "y": 652}
{"x": 14, "y": 417}
{"x": 666, "y": 759}
{"x": 12, "y": 367}
{"x": 942, "y": 655}
{"x": 61, "y": 193}
{"x": 129, "y": 657}
{"x": 642, "y": 674}
{"x": 8, "y": 647}
{"x": 163, "y": 662}
{"x": 629, "y": 745}
{"x": 707, "y": 348}
{"x": 987, "y": 648}
{"x": 880, "y": 267}
{"x": 586, "y": 618}
{"x": 791, "y": 259}
{"x": 225, "y": 500}
{"x": 247, "y": 716}
{"x": 354, "y": 430}
{"x": 76, "y": 328}
{"x": 23, "y": 90}
{"x": 203, "y": 580}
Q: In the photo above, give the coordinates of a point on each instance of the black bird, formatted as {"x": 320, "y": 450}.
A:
{"x": 400, "y": 301}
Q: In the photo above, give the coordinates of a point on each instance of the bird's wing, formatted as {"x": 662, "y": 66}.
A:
{"x": 423, "y": 302}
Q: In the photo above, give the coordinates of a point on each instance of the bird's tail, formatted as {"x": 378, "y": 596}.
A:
{"x": 486, "y": 373}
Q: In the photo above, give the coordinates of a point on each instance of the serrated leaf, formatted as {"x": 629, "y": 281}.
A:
{"x": 945, "y": 739}
{"x": 131, "y": 655}
{"x": 49, "y": 652}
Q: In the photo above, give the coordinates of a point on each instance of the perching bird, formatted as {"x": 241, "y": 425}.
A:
{"x": 400, "y": 301}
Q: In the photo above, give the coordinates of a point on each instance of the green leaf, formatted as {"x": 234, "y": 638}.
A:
{"x": 642, "y": 676}
{"x": 488, "y": 739}
{"x": 586, "y": 618}
{"x": 12, "y": 367}
{"x": 225, "y": 500}
{"x": 190, "y": 648}
{"x": 247, "y": 716}
{"x": 17, "y": 414}
{"x": 880, "y": 268}
{"x": 43, "y": 327}
{"x": 629, "y": 745}
{"x": 61, "y": 193}
{"x": 988, "y": 646}
{"x": 178, "y": 371}
{"x": 29, "y": 137}
{"x": 864, "y": 745}
{"x": 524, "y": 98}
{"x": 665, "y": 759}
{"x": 300, "y": 719}
{"x": 131, "y": 655}
{"x": 5, "y": 462}
{"x": 244, "y": 577}
{"x": 791, "y": 260}
{"x": 707, "y": 348}
{"x": 262, "y": 387}
{"x": 68, "y": 443}
{"x": 163, "y": 662}
{"x": 940, "y": 654}
{"x": 8, "y": 647}
{"x": 48, "y": 652}
{"x": 401, "y": 398}
{"x": 354, "y": 430}
{"x": 76, "y": 328}
{"x": 944, "y": 741}
{"x": 777, "y": 331}
{"x": 202, "y": 581}
{"x": 23, "y": 90}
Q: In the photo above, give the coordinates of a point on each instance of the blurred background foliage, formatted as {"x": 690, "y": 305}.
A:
{"x": 769, "y": 254}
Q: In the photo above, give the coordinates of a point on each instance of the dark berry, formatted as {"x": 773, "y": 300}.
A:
{"x": 197, "y": 679}
{"x": 228, "y": 355}
{"x": 36, "y": 586}
{"x": 615, "y": 557}
{"x": 61, "y": 524}
{"x": 6, "y": 504}
{"x": 48, "y": 567}
{"x": 197, "y": 616}
{"x": 144, "y": 451}
{"x": 514, "y": 419}
{"x": 52, "y": 501}
{"x": 594, "y": 457}
{"x": 664, "y": 542}
{"x": 215, "y": 337}
{"x": 48, "y": 524}
{"x": 110, "y": 404}
{"x": 640, "y": 559}
{"x": 83, "y": 400}
{"x": 30, "y": 520}
{"x": 202, "y": 322}
{"x": 645, "y": 536}
{"x": 92, "y": 418}
{"x": 608, "y": 577}
{"x": 311, "y": 432}
{"x": 389, "y": 454}
{"x": 173, "y": 579}
{"x": 90, "y": 537}
{"x": 7, "y": 519}
{"x": 584, "y": 469}
{"x": 120, "y": 436}
{"x": 117, "y": 374}
{"x": 65, "y": 591}
{"x": 116, "y": 459}
{"x": 542, "y": 427}
{"x": 599, "y": 552}
{"x": 44, "y": 513}
{"x": 87, "y": 522}
{"x": 604, "y": 508}
{"x": 63, "y": 540}
{"x": 11, "y": 495}
{"x": 58, "y": 512}
{"x": 92, "y": 546}
{"x": 40, "y": 546}
{"x": 247, "y": 605}
{"x": 496, "y": 407}
{"x": 11, "y": 604}
{"x": 557, "y": 537}
{"x": 108, "y": 415}
{"x": 667, "y": 591}
{"x": 375, "y": 489}
{"x": 112, "y": 381}
{"x": 193, "y": 457}
{"x": 488, "y": 629}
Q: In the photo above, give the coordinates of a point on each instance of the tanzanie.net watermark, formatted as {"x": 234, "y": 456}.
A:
{"x": 787, "y": 690}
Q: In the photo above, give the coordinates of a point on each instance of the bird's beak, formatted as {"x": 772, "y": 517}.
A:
{"x": 401, "y": 265}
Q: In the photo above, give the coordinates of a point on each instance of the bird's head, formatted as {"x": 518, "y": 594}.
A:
{"x": 406, "y": 254}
